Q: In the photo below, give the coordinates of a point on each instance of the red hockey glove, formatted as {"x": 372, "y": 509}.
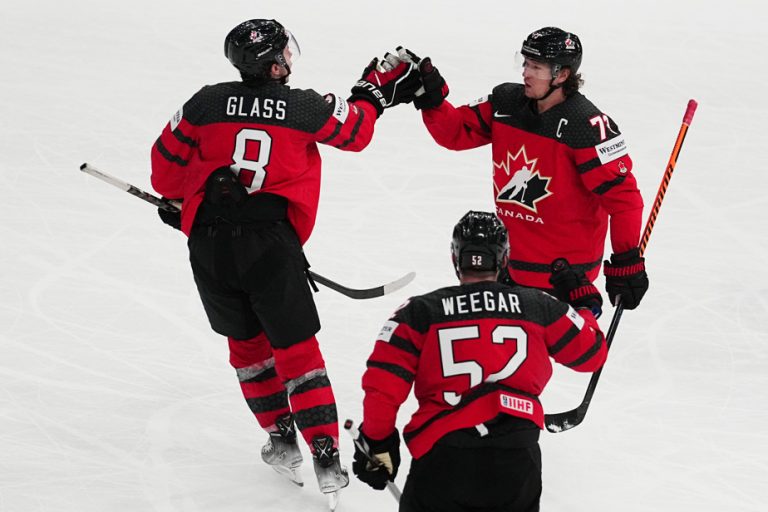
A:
{"x": 387, "y": 83}
{"x": 574, "y": 288}
{"x": 625, "y": 276}
{"x": 435, "y": 88}
{"x": 387, "y": 455}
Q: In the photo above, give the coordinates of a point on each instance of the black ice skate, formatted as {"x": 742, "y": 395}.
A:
{"x": 331, "y": 475}
{"x": 282, "y": 452}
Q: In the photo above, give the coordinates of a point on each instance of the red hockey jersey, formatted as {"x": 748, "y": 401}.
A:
{"x": 557, "y": 176}
{"x": 267, "y": 134}
{"x": 471, "y": 352}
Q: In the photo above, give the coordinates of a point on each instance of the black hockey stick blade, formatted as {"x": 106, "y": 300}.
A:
{"x": 365, "y": 293}
{"x": 569, "y": 419}
{"x": 173, "y": 206}
{"x": 563, "y": 421}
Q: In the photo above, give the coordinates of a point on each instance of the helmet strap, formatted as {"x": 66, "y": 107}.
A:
{"x": 280, "y": 61}
{"x": 552, "y": 88}
{"x": 284, "y": 80}
{"x": 556, "y": 68}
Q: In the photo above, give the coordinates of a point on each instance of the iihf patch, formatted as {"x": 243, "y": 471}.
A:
{"x": 387, "y": 331}
{"x": 176, "y": 118}
{"x": 575, "y": 318}
{"x": 516, "y": 403}
{"x": 478, "y": 101}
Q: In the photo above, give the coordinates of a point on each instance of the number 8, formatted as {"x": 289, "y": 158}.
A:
{"x": 252, "y": 173}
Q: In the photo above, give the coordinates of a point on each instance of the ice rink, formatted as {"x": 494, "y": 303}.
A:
{"x": 115, "y": 395}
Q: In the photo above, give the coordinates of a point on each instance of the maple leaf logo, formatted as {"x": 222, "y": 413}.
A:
{"x": 517, "y": 180}
{"x": 256, "y": 36}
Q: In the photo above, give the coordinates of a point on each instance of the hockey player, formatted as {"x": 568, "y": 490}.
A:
{"x": 243, "y": 158}
{"x": 477, "y": 356}
{"x": 561, "y": 169}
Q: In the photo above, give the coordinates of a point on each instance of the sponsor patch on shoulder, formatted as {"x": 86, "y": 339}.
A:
{"x": 386, "y": 332}
{"x": 340, "y": 107}
{"x": 176, "y": 118}
{"x": 575, "y": 318}
{"x": 611, "y": 149}
{"x": 478, "y": 101}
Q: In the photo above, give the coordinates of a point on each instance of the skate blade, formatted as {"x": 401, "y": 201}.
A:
{"x": 333, "y": 500}
{"x": 291, "y": 474}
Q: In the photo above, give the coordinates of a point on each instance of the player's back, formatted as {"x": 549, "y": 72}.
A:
{"x": 483, "y": 332}
{"x": 264, "y": 132}
{"x": 267, "y": 130}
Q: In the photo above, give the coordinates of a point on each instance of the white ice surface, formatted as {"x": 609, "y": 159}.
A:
{"x": 116, "y": 396}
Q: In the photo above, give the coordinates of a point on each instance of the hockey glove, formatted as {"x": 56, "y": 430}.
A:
{"x": 386, "y": 455}
{"x": 625, "y": 276}
{"x": 574, "y": 288}
{"x": 435, "y": 88}
{"x": 172, "y": 217}
{"x": 387, "y": 83}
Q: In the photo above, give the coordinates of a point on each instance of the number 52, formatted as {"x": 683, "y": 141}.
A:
{"x": 500, "y": 335}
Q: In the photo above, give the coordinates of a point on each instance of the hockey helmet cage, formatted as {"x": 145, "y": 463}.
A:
{"x": 554, "y": 46}
{"x": 480, "y": 243}
{"x": 254, "y": 45}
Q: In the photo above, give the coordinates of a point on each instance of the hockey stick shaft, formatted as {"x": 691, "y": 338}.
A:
{"x": 569, "y": 419}
{"x": 350, "y": 427}
{"x": 175, "y": 206}
{"x": 127, "y": 187}
{"x": 654, "y": 213}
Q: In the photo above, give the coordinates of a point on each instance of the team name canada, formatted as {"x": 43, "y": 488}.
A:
{"x": 268, "y": 108}
{"x": 477, "y": 302}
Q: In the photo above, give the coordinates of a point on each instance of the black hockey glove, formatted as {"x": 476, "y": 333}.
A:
{"x": 435, "y": 88}
{"x": 625, "y": 276}
{"x": 387, "y": 459}
{"x": 574, "y": 288}
{"x": 387, "y": 83}
{"x": 170, "y": 216}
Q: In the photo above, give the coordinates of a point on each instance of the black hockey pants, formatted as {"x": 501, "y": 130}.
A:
{"x": 456, "y": 476}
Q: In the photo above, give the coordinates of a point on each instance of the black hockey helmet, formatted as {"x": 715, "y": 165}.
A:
{"x": 480, "y": 243}
{"x": 554, "y": 46}
{"x": 254, "y": 45}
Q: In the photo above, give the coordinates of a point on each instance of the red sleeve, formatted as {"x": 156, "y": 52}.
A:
{"x": 576, "y": 341}
{"x": 171, "y": 155}
{"x": 625, "y": 207}
{"x": 619, "y": 196}
{"x": 606, "y": 170}
{"x": 389, "y": 376}
{"x": 465, "y": 127}
{"x": 350, "y": 127}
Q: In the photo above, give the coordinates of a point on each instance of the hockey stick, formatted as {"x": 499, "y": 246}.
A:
{"x": 365, "y": 293}
{"x": 569, "y": 419}
{"x": 350, "y": 427}
{"x": 173, "y": 206}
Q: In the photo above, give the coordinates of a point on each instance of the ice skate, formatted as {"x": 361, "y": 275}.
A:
{"x": 282, "y": 452}
{"x": 332, "y": 477}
